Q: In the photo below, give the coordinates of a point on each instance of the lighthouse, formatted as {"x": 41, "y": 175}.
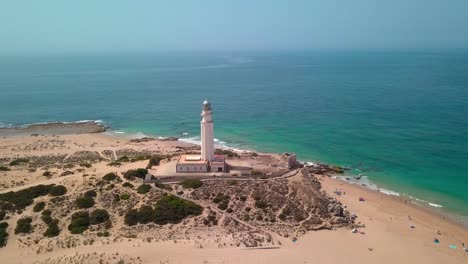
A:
{"x": 207, "y": 161}
{"x": 207, "y": 138}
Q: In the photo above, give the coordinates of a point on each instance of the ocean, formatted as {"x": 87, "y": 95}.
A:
{"x": 398, "y": 117}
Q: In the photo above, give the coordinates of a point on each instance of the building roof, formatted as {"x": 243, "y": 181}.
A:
{"x": 191, "y": 159}
{"x": 218, "y": 158}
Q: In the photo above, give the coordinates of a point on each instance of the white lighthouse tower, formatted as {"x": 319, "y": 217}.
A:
{"x": 207, "y": 140}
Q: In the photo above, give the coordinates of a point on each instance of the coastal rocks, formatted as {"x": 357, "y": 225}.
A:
{"x": 140, "y": 140}
{"x": 324, "y": 168}
{"x": 168, "y": 139}
{"x": 57, "y": 128}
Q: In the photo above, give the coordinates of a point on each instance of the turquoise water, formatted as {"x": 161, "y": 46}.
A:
{"x": 399, "y": 117}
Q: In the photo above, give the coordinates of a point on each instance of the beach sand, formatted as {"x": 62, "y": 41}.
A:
{"x": 387, "y": 236}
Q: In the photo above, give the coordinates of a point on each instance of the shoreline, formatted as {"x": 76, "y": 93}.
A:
{"x": 99, "y": 127}
{"x": 384, "y": 222}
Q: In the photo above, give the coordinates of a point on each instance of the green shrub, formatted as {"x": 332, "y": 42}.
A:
{"x": 2, "y": 215}
{"x": 84, "y": 202}
{"x": 47, "y": 219}
{"x": 114, "y": 163}
{"x": 223, "y": 205}
{"x": 4, "y": 168}
{"x": 21, "y": 199}
{"x": 124, "y": 196}
{"x": 47, "y": 174}
{"x": 163, "y": 186}
{"x": 90, "y": 194}
{"x": 146, "y": 214}
{"x": 52, "y": 231}
{"x": 103, "y": 234}
{"x": 229, "y": 210}
{"x": 98, "y": 216}
{"x": 144, "y": 188}
{"x": 171, "y": 209}
{"x": 46, "y": 212}
{"x": 243, "y": 198}
{"x": 39, "y": 207}
{"x": 110, "y": 176}
{"x": 154, "y": 161}
{"x": 123, "y": 159}
{"x": 256, "y": 195}
{"x": 131, "y": 217}
{"x": 23, "y": 225}
{"x": 79, "y": 222}
{"x": 58, "y": 190}
{"x": 127, "y": 185}
{"x": 19, "y": 161}
{"x": 261, "y": 204}
{"x": 3, "y": 234}
{"x": 220, "y": 197}
{"x": 138, "y": 173}
{"x": 86, "y": 165}
{"x": 191, "y": 183}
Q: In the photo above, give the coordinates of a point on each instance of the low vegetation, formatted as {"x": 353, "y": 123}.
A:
{"x": 124, "y": 196}
{"x": 53, "y": 229}
{"x": 58, "y": 190}
{"x": 4, "y": 168}
{"x": 23, "y": 225}
{"x": 98, "y": 216}
{"x": 127, "y": 185}
{"x": 191, "y": 183}
{"x": 3, "y": 234}
{"x": 80, "y": 221}
{"x": 154, "y": 161}
{"x": 90, "y": 194}
{"x": 39, "y": 207}
{"x": 47, "y": 174}
{"x": 110, "y": 177}
{"x": 84, "y": 202}
{"x": 19, "y": 161}
{"x": 144, "y": 188}
{"x": 14, "y": 201}
{"x": 169, "y": 209}
{"x": 163, "y": 186}
{"x": 138, "y": 173}
{"x": 222, "y": 201}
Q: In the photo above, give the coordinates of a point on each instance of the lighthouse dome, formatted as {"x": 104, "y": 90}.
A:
{"x": 206, "y": 105}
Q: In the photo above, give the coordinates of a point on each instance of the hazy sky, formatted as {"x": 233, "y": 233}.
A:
{"x": 152, "y": 25}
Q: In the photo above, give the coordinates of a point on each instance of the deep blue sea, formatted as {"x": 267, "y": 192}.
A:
{"x": 398, "y": 117}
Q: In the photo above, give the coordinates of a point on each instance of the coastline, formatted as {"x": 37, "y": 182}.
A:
{"x": 100, "y": 127}
{"x": 387, "y": 231}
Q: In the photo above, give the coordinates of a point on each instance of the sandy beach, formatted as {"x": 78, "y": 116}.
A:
{"x": 389, "y": 230}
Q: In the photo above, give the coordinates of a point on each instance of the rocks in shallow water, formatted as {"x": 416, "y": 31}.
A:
{"x": 139, "y": 140}
{"x": 324, "y": 168}
{"x": 169, "y": 139}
